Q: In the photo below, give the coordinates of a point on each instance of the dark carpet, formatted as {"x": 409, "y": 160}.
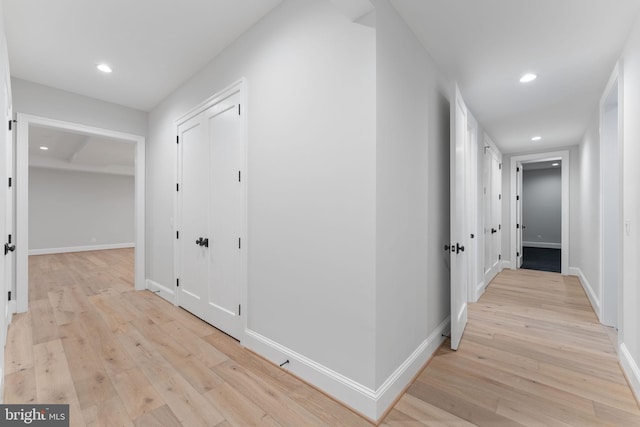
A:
{"x": 541, "y": 259}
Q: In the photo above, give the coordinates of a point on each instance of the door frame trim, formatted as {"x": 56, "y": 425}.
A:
{"x": 566, "y": 169}
{"x": 22, "y": 198}
{"x": 240, "y": 86}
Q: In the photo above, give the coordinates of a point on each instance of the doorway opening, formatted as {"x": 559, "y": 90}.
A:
{"x": 542, "y": 216}
{"x": 88, "y": 149}
{"x": 517, "y": 235}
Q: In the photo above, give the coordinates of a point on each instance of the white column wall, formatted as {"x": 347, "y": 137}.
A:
{"x": 412, "y": 224}
{"x": 311, "y": 182}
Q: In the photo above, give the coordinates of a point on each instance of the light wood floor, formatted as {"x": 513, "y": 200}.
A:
{"x": 532, "y": 354}
{"x": 123, "y": 358}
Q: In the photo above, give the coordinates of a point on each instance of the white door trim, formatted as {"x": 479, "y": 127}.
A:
{"x": 22, "y": 197}
{"x": 240, "y": 87}
{"x": 473, "y": 227}
{"x": 566, "y": 168}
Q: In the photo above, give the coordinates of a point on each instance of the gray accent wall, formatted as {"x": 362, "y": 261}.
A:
{"x": 71, "y": 210}
{"x": 542, "y": 207}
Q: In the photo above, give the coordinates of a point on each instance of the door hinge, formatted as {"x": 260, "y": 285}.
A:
{"x": 239, "y": 243}
{"x": 177, "y": 234}
{"x": 499, "y": 256}
{"x": 239, "y": 109}
{"x": 178, "y": 283}
{"x": 9, "y": 238}
{"x": 500, "y": 166}
{"x": 517, "y": 253}
{"x": 9, "y": 295}
{"x": 10, "y": 182}
{"x": 517, "y": 225}
{"x": 11, "y": 122}
{"x": 499, "y": 196}
{"x": 499, "y": 226}
{"x": 517, "y": 169}
{"x": 177, "y": 139}
{"x": 517, "y": 197}
{"x": 239, "y": 309}
{"x": 239, "y": 176}
{"x": 177, "y": 187}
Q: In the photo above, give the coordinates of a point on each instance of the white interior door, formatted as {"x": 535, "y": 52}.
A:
{"x": 5, "y": 220}
{"x": 458, "y": 232}
{"x": 519, "y": 250}
{"x": 492, "y": 207}
{"x": 224, "y": 130}
{"x": 210, "y": 215}
{"x": 496, "y": 207}
{"x": 193, "y": 205}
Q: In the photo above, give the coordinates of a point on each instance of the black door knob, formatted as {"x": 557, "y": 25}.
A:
{"x": 459, "y": 248}
{"x": 493, "y": 231}
{"x": 9, "y": 248}
{"x": 199, "y": 241}
{"x": 205, "y": 243}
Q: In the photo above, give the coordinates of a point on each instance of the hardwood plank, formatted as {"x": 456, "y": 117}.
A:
{"x": 159, "y": 417}
{"x": 137, "y": 393}
{"x": 43, "y": 323}
{"x": 53, "y": 379}
{"x": 20, "y": 387}
{"x": 19, "y": 349}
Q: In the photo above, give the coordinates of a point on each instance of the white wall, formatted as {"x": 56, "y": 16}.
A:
{"x": 630, "y": 328}
{"x": 588, "y": 228}
{"x": 412, "y": 287}
{"x": 79, "y": 210}
{"x": 542, "y": 207}
{"x": 44, "y": 101}
{"x": 311, "y": 184}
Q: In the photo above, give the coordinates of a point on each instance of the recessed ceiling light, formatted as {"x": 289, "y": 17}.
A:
{"x": 44, "y": 148}
{"x": 104, "y": 68}
{"x": 536, "y": 138}
{"x": 555, "y": 164}
{"x": 529, "y": 77}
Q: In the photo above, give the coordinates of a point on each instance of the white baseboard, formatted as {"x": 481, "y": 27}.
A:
{"x": 368, "y": 402}
{"x": 506, "y": 264}
{"x": 588, "y": 289}
{"x": 482, "y": 286}
{"x": 630, "y": 368}
{"x": 161, "y": 290}
{"x": 81, "y": 249}
{"x": 546, "y": 245}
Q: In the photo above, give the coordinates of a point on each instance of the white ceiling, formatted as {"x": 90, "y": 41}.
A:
{"x": 487, "y": 45}
{"x": 153, "y": 46}
{"x": 80, "y": 152}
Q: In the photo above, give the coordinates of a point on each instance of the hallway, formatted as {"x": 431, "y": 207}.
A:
{"x": 532, "y": 354}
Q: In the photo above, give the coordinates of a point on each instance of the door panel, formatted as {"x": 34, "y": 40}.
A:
{"x": 194, "y": 211}
{"x": 225, "y": 216}
{"x": 493, "y": 214}
{"x": 458, "y": 233}
{"x": 211, "y": 211}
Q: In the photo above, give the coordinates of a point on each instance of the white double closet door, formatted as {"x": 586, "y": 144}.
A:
{"x": 210, "y": 211}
